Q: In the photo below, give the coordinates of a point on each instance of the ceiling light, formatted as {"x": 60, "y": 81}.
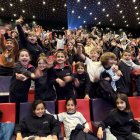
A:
{"x": 2, "y": 9}
{"x": 136, "y": 7}
{"x": 107, "y": 15}
{"x": 53, "y": 9}
{"x": 15, "y": 15}
{"x": 78, "y": 0}
{"x": 44, "y": 2}
{"x": 33, "y": 16}
{"x": 125, "y": 21}
{"x": 79, "y": 17}
{"x": 99, "y": 23}
{"x": 138, "y": 22}
{"x": 134, "y": 1}
{"x": 99, "y": 2}
{"x": 95, "y": 18}
{"x": 127, "y": 25}
{"x": 72, "y": 11}
{"x": 11, "y": 4}
{"x": 118, "y": 5}
{"x": 113, "y": 24}
{"x": 65, "y": 5}
{"x": 21, "y": 0}
{"x": 137, "y": 13}
{"x": 84, "y": 21}
{"x": 90, "y": 13}
{"x": 103, "y": 9}
{"x": 138, "y": 18}
{"x": 85, "y": 7}
{"x": 123, "y": 16}
{"x": 23, "y": 11}
{"x": 121, "y": 12}
{"x": 110, "y": 20}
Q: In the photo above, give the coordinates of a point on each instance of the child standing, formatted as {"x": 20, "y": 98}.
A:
{"x": 63, "y": 77}
{"x": 126, "y": 65}
{"x": 120, "y": 120}
{"x": 81, "y": 81}
{"x": 21, "y": 79}
{"x": 8, "y": 56}
{"x": 39, "y": 125}
{"x": 44, "y": 89}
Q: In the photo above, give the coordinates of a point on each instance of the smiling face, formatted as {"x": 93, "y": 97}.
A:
{"x": 70, "y": 107}
{"x": 94, "y": 55}
{"x": 121, "y": 105}
{"x": 32, "y": 38}
{"x": 127, "y": 56}
{"x": 40, "y": 110}
{"x": 42, "y": 64}
{"x": 24, "y": 58}
{"x": 60, "y": 58}
{"x": 80, "y": 70}
{"x": 9, "y": 45}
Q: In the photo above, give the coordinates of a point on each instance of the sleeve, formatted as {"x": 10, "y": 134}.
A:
{"x": 61, "y": 116}
{"x": 55, "y": 126}
{"x": 2, "y": 43}
{"x": 83, "y": 120}
{"x": 109, "y": 121}
{"x": 19, "y": 69}
{"x": 87, "y": 89}
{"x": 22, "y": 36}
{"x": 115, "y": 77}
{"x": 21, "y": 127}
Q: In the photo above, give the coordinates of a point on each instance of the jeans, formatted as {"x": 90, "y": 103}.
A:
{"x": 6, "y": 130}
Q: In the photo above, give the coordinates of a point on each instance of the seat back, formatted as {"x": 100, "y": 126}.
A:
{"x": 135, "y": 106}
{"x": 31, "y": 95}
{"x": 100, "y": 109}
{"x": 9, "y": 112}
{"x": 25, "y": 108}
{"x": 5, "y": 83}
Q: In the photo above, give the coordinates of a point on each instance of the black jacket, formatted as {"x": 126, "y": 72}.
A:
{"x": 19, "y": 89}
{"x": 78, "y": 134}
{"x": 84, "y": 84}
{"x": 124, "y": 83}
{"x": 34, "y": 49}
{"x": 44, "y": 89}
{"x": 120, "y": 123}
{"x": 68, "y": 90}
{"x": 38, "y": 126}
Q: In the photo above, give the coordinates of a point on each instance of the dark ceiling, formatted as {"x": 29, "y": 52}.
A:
{"x": 75, "y": 13}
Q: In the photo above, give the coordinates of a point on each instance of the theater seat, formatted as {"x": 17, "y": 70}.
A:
{"x": 31, "y": 95}
{"x": 4, "y": 88}
{"x": 25, "y": 108}
{"x": 100, "y": 109}
{"x": 83, "y": 106}
{"x": 135, "y": 106}
{"x": 9, "y": 112}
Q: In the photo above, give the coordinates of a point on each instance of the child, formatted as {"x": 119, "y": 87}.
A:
{"x": 120, "y": 120}
{"x": 6, "y": 129}
{"x": 63, "y": 77}
{"x": 60, "y": 42}
{"x": 81, "y": 81}
{"x": 39, "y": 125}
{"x": 44, "y": 89}
{"x": 71, "y": 118}
{"x": 29, "y": 43}
{"x": 8, "y": 56}
{"x": 21, "y": 79}
{"x": 126, "y": 65}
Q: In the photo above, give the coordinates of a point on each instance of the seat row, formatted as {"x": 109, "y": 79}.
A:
{"x": 94, "y": 110}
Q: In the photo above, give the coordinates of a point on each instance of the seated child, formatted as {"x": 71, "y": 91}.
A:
{"x": 39, "y": 125}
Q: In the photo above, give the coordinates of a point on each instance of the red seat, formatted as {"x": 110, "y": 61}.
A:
{"x": 9, "y": 112}
{"x": 135, "y": 106}
{"x": 31, "y": 95}
{"x": 83, "y": 106}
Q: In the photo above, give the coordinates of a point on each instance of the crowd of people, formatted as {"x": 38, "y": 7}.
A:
{"x": 79, "y": 64}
